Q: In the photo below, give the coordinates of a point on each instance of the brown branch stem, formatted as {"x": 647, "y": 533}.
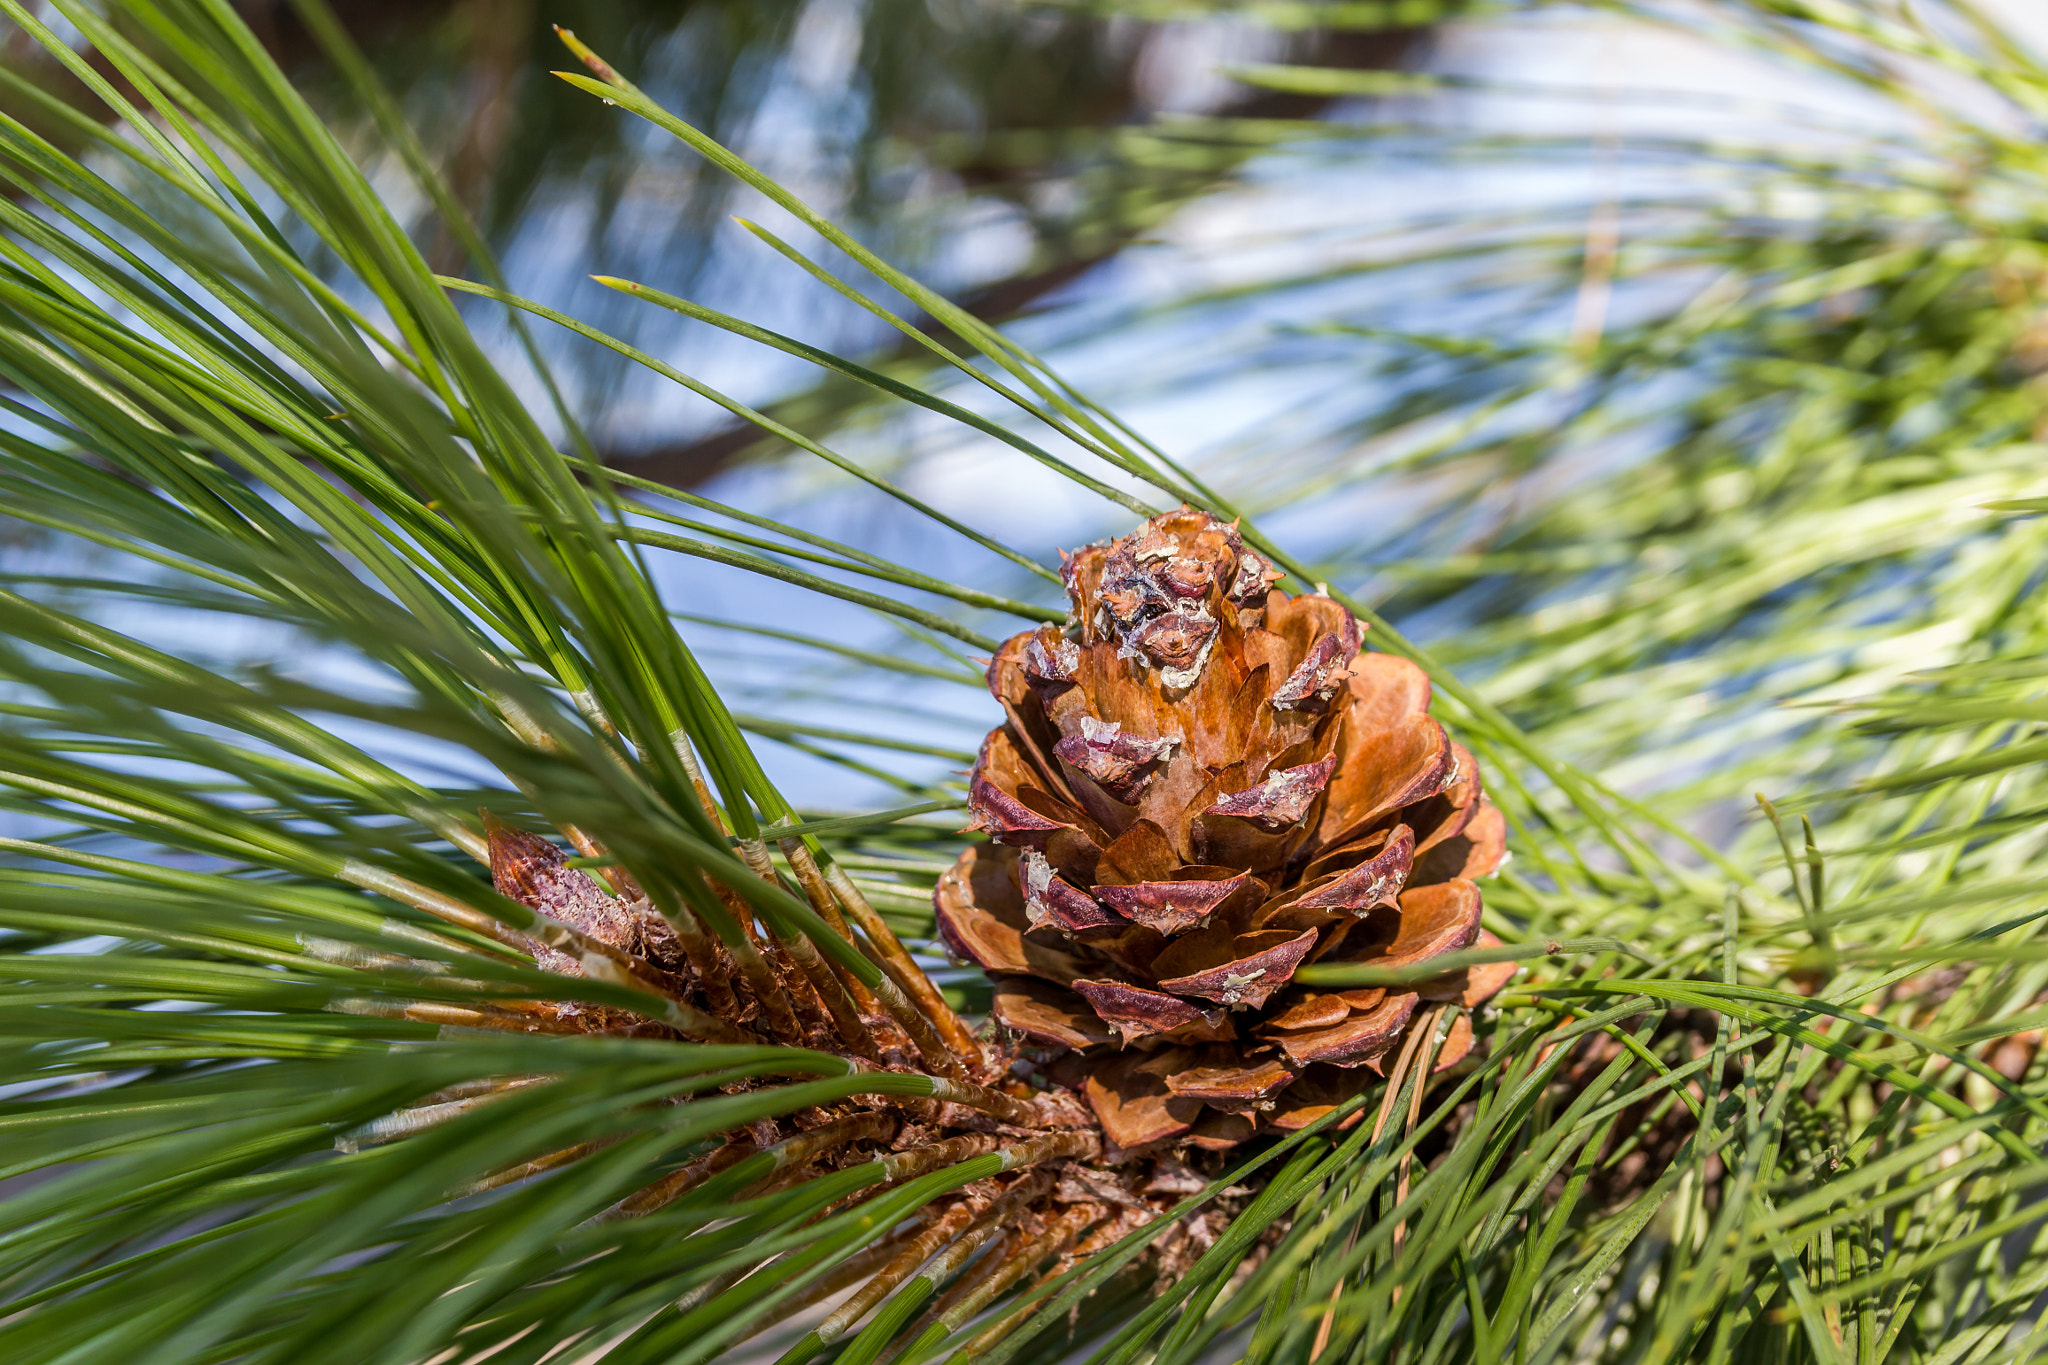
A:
{"x": 1002, "y": 1268}
{"x": 887, "y": 952}
{"x": 960, "y": 1231}
{"x": 867, "y": 1126}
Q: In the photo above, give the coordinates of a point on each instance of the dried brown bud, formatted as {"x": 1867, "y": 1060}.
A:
{"x": 1201, "y": 789}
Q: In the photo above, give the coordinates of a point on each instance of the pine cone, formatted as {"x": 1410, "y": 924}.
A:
{"x": 1201, "y": 786}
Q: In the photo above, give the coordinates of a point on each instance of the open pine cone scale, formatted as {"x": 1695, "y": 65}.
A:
{"x": 1201, "y": 786}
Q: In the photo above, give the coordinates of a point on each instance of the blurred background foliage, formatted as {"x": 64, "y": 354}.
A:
{"x": 1001, "y": 150}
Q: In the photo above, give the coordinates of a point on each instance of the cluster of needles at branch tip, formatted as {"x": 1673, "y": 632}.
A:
{"x": 1203, "y": 793}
